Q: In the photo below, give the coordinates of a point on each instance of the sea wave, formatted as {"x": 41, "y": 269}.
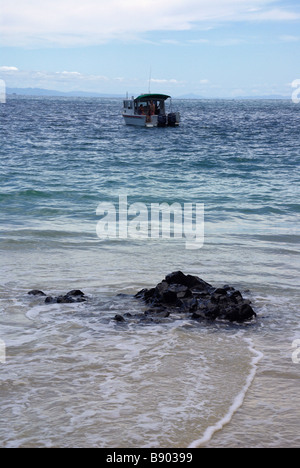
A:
{"x": 238, "y": 400}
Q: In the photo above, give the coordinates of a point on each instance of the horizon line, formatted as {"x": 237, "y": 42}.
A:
{"x": 11, "y": 91}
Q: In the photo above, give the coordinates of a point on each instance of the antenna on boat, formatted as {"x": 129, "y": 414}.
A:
{"x": 150, "y": 76}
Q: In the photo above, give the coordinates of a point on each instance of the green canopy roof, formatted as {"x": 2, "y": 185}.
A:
{"x": 149, "y": 97}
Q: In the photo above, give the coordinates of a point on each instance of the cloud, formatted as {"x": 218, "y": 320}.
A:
{"x": 74, "y": 22}
{"x": 170, "y": 41}
{"x": 59, "y": 80}
{"x": 67, "y": 73}
{"x": 288, "y": 38}
{"x": 165, "y": 81}
{"x": 198, "y": 41}
{"x": 276, "y": 15}
{"x": 75, "y": 81}
{"x": 8, "y": 69}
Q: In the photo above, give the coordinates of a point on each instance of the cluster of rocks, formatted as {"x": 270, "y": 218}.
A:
{"x": 191, "y": 295}
{"x": 72, "y": 296}
{"x": 187, "y": 295}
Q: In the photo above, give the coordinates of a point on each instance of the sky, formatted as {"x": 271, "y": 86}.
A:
{"x": 211, "y": 48}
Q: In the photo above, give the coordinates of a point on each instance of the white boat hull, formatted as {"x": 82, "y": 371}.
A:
{"x": 138, "y": 120}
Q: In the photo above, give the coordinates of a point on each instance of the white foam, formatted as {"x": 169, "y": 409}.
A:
{"x": 237, "y": 403}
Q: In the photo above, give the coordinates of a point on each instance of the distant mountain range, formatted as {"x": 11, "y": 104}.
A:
{"x": 51, "y": 92}
{"x": 271, "y": 96}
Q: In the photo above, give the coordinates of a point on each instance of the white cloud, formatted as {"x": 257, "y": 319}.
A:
{"x": 165, "y": 81}
{"x": 275, "y": 15}
{"x": 67, "y": 73}
{"x": 8, "y": 69}
{"x": 75, "y": 81}
{"x": 290, "y": 38}
{"x": 198, "y": 41}
{"x": 170, "y": 41}
{"x": 60, "y": 80}
{"x": 74, "y": 22}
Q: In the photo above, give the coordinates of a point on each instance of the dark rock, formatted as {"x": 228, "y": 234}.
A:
{"x": 119, "y": 318}
{"x": 161, "y": 312}
{"x": 169, "y": 297}
{"x": 75, "y": 293}
{"x": 187, "y": 280}
{"x": 71, "y": 297}
{"x": 246, "y": 312}
{"x": 236, "y": 297}
{"x": 206, "y": 314}
{"x": 192, "y": 295}
{"x": 184, "y": 295}
{"x": 148, "y": 294}
{"x": 198, "y": 316}
{"x": 189, "y": 304}
{"x": 220, "y": 291}
{"x": 228, "y": 288}
{"x": 177, "y": 277}
{"x": 65, "y": 299}
{"x": 161, "y": 288}
{"x": 241, "y": 313}
{"x": 36, "y": 292}
{"x": 141, "y": 294}
{"x": 50, "y": 300}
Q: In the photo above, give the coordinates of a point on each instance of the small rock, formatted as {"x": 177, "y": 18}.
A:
{"x": 65, "y": 299}
{"x": 50, "y": 300}
{"x": 75, "y": 293}
{"x": 36, "y": 292}
{"x": 71, "y": 297}
{"x": 119, "y": 318}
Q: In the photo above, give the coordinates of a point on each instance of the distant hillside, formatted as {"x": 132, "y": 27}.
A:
{"x": 51, "y": 92}
{"x": 271, "y": 96}
{"x": 190, "y": 96}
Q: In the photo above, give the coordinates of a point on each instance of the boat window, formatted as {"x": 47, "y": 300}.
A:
{"x": 127, "y": 104}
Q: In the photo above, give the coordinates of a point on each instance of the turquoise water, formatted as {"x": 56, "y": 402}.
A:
{"x": 72, "y": 376}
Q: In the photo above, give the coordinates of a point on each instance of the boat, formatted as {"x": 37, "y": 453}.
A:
{"x": 149, "y": 110}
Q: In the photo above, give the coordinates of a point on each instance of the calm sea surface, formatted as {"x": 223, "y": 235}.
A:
{"x": 72, "y": 376}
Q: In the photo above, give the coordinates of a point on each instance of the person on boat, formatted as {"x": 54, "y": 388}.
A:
{"x": 141, "y": 110}
{"x": 152, "y": 108}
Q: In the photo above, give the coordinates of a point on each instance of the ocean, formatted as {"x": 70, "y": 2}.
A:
{"x": 70, "y": 375}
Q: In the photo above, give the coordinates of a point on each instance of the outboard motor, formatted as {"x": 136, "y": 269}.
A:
{"x": 172, "y": 119}
{"x": 162, "y": 121}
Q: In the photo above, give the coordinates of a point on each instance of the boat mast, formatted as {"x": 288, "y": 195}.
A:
{"x": 149, "y": 88}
